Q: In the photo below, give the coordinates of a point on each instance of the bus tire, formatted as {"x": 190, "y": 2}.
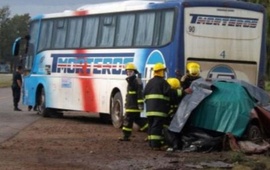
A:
{"x": 117, "y": 110}
{"x": 41, "y": 104}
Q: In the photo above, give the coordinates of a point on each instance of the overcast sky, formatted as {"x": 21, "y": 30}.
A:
{"x": 36, "y": 7}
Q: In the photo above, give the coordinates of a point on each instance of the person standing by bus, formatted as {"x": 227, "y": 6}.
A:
{"x": 16, "y": 87}
{"x": 193, "y": 73}
{"x": 134, "y": 103}
{"x": 157, "y": 97}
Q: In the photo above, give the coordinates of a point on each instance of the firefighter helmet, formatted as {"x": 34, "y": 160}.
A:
{"x": 131, "y": 66}
{"x": 174, "y": 83}
{"x": 159, "y": 66}
{"x": 193, "y": 69}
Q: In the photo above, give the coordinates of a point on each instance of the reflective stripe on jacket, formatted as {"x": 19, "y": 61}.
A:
{"x": 134, "y": 94}
{"x": 157, "y": 97}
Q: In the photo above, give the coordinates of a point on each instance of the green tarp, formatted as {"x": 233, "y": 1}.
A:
{"x": 227, "y": 109}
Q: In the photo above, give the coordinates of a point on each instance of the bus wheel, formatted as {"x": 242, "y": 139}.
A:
{"x": 41, "y": 104}
{"x": 117, "y": 110}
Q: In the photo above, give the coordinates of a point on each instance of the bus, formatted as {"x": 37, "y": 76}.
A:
{"x": 75, "y": 60}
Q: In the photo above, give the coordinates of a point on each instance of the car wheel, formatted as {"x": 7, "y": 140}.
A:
{"x": 254, "y": 133}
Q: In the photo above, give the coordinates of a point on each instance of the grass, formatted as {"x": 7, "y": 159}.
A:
{"x": 5, "y": 80}
{"x": 267, "y": 86}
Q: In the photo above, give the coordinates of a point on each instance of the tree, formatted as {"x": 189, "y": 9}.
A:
{"x": 4, "y": 19}
{"x": 4, "y": 14}
{"x": 268, "y": 39}
{"x": 266, "y": 4}
{"x": 10, "y": 29}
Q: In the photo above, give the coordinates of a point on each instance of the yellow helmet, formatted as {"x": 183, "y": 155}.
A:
{"x": 131, "y": 66}
{"x": 193, "y": 69}
{"x": 174, "y": 83}
{"x": 159, "y": 66}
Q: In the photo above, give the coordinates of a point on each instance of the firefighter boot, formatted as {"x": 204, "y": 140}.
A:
{"x": 124, "y": 138}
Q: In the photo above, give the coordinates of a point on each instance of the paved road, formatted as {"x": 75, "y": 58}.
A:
{"x": 12, "y": 122}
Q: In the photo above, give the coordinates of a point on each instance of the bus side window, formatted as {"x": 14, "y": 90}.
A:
{"x": 107, "y": 31}
{"x": 90, "y": 32}
{"x": 59, "y": 33}
{"x": 45, "y": 35}
{"x": 74, "y": 32}
{"x": 124, "y": 36}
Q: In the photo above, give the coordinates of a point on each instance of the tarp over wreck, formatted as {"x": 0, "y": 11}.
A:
{"x": 222, "y": 106}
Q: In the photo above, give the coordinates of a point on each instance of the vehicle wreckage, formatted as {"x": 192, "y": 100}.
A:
{"x": 223, "y": 110}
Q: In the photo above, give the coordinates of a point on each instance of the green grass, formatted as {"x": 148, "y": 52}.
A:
{"x": 5, "y": 80}
{"x": 267, "y": 86}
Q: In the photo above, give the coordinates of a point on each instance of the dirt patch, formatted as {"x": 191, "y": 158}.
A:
{"x": 83, "y": 142}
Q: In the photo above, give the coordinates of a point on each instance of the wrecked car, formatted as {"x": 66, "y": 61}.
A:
{"x": 219, "y": 107}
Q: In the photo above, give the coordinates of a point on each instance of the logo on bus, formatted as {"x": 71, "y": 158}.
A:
{"x": 153, "y": 58}
{"x": 223, "y": 21}
{"x": 112, "y": 64}
{"x": 222, "y": 72}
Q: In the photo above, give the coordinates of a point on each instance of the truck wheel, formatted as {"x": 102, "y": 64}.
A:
{"x": 117, "y": 110}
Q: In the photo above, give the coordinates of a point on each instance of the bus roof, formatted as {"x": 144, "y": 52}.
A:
{"x": 122, "y": 5}
{"x": 130, "y": 5}
{"x": 134, "y": 4}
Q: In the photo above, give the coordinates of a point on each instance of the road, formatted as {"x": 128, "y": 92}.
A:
{"x": 11, "y": 122}
{"x": 78, "y": 142}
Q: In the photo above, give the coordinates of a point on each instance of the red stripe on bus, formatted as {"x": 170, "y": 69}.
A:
{"x": 80, "y": 51}
{"x": 88, "y": 93}
{"x": 87, "y": 86}
{"x": 80, "y": 13}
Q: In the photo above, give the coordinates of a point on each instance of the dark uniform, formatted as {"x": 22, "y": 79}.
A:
{"x": 16, "y": 89}
{"x": 187, "y": 79}
{"x": 193, "y": 73}
{"x": 134, "y": 99}
{"x": 175, "y": 98}
{"x": 157, "y": 96}
{"x": 172, "y": 139}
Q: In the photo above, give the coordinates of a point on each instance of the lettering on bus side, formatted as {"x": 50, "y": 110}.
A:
{"x": 91, "y": 64}
{"x": 224, "y": 21}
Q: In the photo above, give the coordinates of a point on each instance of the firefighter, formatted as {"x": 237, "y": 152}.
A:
{"x": 157, "y": 93}
{"x": 175, "y": 97}
{"x": 134, "y": 103}
{"x": 193, "y": 73}
{"x": 172, "y": 138}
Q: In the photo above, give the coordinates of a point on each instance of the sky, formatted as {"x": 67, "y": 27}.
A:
{"x": 37, "y": 7}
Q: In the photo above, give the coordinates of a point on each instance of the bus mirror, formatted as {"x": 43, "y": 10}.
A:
{"x": 27, "y": 38}
{"x": 16, "y": 47}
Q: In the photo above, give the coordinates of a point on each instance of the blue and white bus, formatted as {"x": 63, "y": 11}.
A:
{"x": 75, "y": 59}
